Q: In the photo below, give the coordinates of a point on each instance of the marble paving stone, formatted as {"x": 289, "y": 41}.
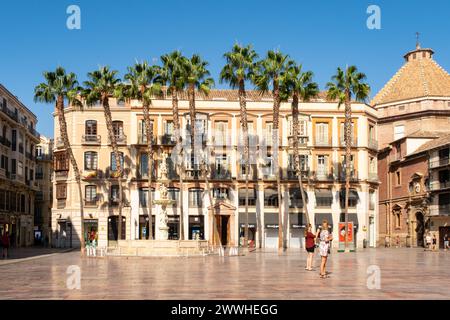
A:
{"x": 406, "y": 273}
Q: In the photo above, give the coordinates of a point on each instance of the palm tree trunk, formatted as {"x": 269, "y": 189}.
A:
{"x": 295, "y": 124}
{"x": 244, "y": 124}
{"x": 76, "y": 171}
{"x": 275, "y": 142}
{"x": 176, "y": 125}
{"x": 112, "y": 137}
{"x": 149, "y": 133}
{"x": 347, "y": 138}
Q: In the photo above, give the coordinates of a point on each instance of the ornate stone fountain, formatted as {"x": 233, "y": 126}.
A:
{"x": 162, "y": 229}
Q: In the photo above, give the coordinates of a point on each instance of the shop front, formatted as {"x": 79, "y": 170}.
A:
{"x": 271, "y": 230}
{"x": 196, "y": 228}
{"x": 174, "y": 227}
{"x": 90, "y": 227}
{"x": 297, "y": 230}
{"x": 251, "y": 229}
{"x": 352, "y": 217}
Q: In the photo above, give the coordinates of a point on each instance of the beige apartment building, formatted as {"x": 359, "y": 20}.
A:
{"x": 44, "y": 195}
{"x": 218, "y": 125}
{"x": 18, "y": 140}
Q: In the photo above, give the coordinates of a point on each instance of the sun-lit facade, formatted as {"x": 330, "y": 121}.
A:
{"x": 218, "y": 122}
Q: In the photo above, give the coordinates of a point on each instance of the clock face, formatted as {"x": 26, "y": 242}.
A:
{"x": 417, "y": 188}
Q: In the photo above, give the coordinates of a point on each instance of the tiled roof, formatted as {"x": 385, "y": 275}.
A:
{"x": 233, "y": 95}
{"x": 433, "y": 144}
{"x": 418, "y": 77}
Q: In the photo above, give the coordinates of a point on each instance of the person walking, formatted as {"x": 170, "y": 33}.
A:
{"x": 434, "y": 242}
{"x": 428, "y": 241}
{"x": 446, "y": 242}
{"x": 310, "y": 245}
{"x": 5, "y": 245}
{"x": 325, "y": 238}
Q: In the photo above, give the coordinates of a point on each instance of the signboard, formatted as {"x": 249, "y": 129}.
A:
{"x": 297, "y": 226}
{"x": 271, "y": 226}
{"x": 350, "y": 242}
{"x": 250, "y": 225}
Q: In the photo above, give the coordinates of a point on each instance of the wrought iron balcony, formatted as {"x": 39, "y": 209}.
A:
{"x": 439, "y": 185}
{"x": 11, "y": 114}
{"x": 221, "y": 174}
{"x": 91, "y": 139}
{"x": 439, "y": 163}
{"x": 91, "y": 202}
{"x": 302, "y": 141}
{"x": 292, "y": 174}
{"x": 353, "y": 175}
{"x": 142, "y": 139}
{"x": 168, "y": 139}
{"x": 121, "y": 139}
{"x": 322, "y": 143}
{"x": 353, "y": 142}
{"x": 322, "y": 176}
{"x": 373, "y": 144}
{"x": 440, "y": 210}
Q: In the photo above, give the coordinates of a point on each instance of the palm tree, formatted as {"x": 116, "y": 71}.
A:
{"x": 300, "y": 87}
{"x": 345, "y": 86}
{"x": 144, "y": 84}
{"x": 59, "y": 87}
{"x": 271, "y": 71}
{"x": 102, "y": 84}
{"x": 172, "y": 76}
{"x": 195, "y": 75}
{"x": 240, "y": 67}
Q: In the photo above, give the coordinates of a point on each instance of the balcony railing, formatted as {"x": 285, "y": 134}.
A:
{"x": 440, "y": 162}
{"x": 29, "y": 156}
{"x": 34, "y": 132}
{"x": 353, "y": 142}
{"x": 440, "y": 210}
{"x": 373, "y": 176}
{"x": 322, "y": 176}
{"x": 5, "y": 142}
{"x": 302, "y": 141}
{"x": 120, "y": 139}
{"x": 11, "y": 114}
{"x": 21, "y": 148}
{"x": 61, "y": 175}
{"x": 39, "y": 175}
{"x": 193, "y": 173}
{"x": 322, "y": 143}
{"x": 439, "y": 185}
{"x": 91, "y": 139}
{"x": 221, "y": 174}
{"x": 353, "y": 175}
{"x": 373, "y": 144}
{"x": 91, "y": 202}
{"x": 142, "y": 139}
{"x": 168, "y": 139}
{"x": 292, "y": 174}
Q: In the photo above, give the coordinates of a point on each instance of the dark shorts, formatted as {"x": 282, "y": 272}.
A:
{"x": 310, "y": 249}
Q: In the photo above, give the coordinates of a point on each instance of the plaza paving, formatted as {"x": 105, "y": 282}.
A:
{"x": 405, "y": 274}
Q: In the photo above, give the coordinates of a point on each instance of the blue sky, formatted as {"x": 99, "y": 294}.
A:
{"x": 320, "y": 34}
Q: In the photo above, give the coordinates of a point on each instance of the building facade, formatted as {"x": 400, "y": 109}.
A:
{"x": 218, "y": 125}
{"x": 44, "y": 195}
{"x": 18, "y": 140}
{"x": 413, "y": 110}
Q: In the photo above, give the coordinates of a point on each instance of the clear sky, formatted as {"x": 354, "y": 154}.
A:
{"x": 321, "y": 34}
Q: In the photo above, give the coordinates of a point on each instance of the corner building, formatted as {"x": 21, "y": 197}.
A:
{"x": 218, "y": 122}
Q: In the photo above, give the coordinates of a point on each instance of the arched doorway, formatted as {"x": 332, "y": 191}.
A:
{"x": 420, "y": 229}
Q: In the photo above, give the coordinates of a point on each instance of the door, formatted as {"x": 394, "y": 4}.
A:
{"x": 113, "y": 228}
{"x": 223, "y": 225}
{"x": 371, "y": 232}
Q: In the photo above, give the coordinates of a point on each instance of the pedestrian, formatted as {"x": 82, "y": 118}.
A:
{"x": 63, "y": 238}
{"x": 310, "y": 245}
{"x": 92, "y": 239}
{"x": 5, "y": 244}
{"x": 446, "y": 242}
{"x": 386, "y": 242}
{"x": 397, "y": 241}
{"x": 434, "y": 242}
{"x": 428, "y": 241}
{"x": 325, "y": 238}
